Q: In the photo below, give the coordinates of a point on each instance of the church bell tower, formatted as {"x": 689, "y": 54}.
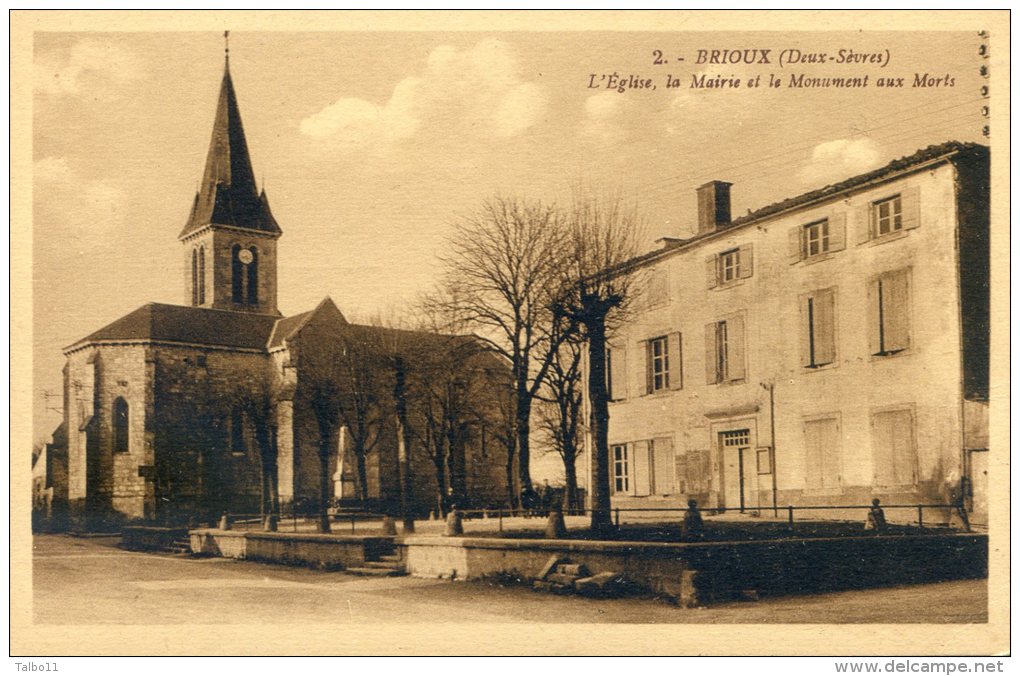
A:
{"x": 230, "y": 237}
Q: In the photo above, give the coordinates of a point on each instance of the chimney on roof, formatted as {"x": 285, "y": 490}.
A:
{"x": 713, "y": 206}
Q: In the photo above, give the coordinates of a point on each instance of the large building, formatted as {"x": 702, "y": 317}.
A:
{"x": 177, "y": 412}
{"x": 825, "y": 350}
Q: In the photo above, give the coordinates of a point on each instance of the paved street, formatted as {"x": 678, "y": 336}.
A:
{"x": 90, "y": 581}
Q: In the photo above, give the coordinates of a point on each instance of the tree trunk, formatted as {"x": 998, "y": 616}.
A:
{"x": 570, "y": 472}
{"x": 440, "y": 465}
{"x": 324, "y": 452}
{"x": 523, "y": 419}
{"x": 359, "y": 459}
{"x": 511, "y": 491}
{"x": 263, "y": 438}
{"x": 403, "y": 445}
{"x": 601, "y": 512}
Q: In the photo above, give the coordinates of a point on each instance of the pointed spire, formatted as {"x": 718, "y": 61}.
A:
{"x": 228, "y": 195}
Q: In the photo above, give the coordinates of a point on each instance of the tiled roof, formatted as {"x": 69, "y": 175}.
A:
{"x": 922, "y": 156}
{"x": 228, "y": 195}
{"x": 184, "y": 324}
{"x": 286, "y": 327}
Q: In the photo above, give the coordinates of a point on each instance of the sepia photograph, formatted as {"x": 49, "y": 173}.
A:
{"x": 358, "y": 333}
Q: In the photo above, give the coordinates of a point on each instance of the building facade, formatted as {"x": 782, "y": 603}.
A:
{"x": 181, "y": 412}
{"x": 826, "y": 350}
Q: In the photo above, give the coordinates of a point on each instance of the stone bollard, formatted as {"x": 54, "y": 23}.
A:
{"x": 555, "y": 527}
{"x": 389, "y": 526}
{"x": 225, "y": 521}
{"x": 269, "y": 523}
{"x": 454, "y": 523}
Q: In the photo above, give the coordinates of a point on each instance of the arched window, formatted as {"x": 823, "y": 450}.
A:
{"x": 237, "y": 274}
{"x": 194, "y": 277}
{"x": 201, "y": 275}
{"x": 253, "y": 277}
{"x": 120, "y": 426}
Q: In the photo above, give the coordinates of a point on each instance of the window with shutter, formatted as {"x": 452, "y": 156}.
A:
{"x": 659, "y": 369}
{"x": 893, "y": 450}
{"x": 724, "y": 350}
{"x": 894, "y": 214}
{"x": 729, "y": 266}
{"x": 816, "y": 238}
{"x": 819, "y": 315}
{"x": 621, "y": 470}
{"x": 889, "y": 309}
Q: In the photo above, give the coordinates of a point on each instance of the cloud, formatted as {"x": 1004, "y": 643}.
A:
{"x": 477, "y": 91}
{"x": 78, "y": 207}
{"x": 833, "y": 160}
{"x": 603, "y": 113}
{"x": 88, "y": 62}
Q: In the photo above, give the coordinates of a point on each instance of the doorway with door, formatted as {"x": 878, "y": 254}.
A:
{"x": 739, "y": 476}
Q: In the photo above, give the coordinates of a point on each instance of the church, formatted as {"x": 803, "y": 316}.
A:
{"x": 178, "y": 413}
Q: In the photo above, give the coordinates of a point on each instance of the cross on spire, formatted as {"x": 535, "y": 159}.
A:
{"x": 226, "y": 46}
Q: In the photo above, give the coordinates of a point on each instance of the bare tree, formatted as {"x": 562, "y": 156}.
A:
{"x": 324, "y": 397}
{"x": 362, "y": 399}
{"x": 502, "y": 269}
{"x": 255, "y": 395}
{"x": 598, "y": 286}
{"x": 560, "y": 414}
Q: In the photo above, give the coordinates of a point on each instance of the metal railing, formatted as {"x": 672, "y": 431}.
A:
{"x": 791, "y": 509}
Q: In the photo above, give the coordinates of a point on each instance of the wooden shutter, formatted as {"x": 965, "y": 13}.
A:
{"x": 711, "y": 352}
{"x": 680, "y": 472}
{"x": 641, "y": 468}
{"x": 618, "y": 372}
{"x": 649, "y": 379}
{"x": 896, "y": 310}
{"x": 837, "y": 231}
{"x": 862, "y": 223}
{"x": 825, "y": 326}
{"x": 664, "y": 466}
{"x": 676, "y": 361}
{"x": 910, "y": 207}
{"x": 813, "y": 437}
{"x": 894, "y": 454}
{"x": 796, "y": 244}
{"x": 735, "y": 366}
{"x": 903, "y": 455}
{"x": 712, "y": 271}
{"x": 881, "y": 440}
{"x": 746, "y": 259}
{"x": 699, "y": 471}
{"x": 874, "y": 322}
{"x": 806, "y": 328}
{"x": 832, "y": 465}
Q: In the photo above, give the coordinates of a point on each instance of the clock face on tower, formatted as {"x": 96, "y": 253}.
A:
{"x": 245, "y": 256}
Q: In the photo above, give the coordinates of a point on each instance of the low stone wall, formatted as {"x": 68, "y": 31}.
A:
{"x": 306, "y": 549}
{"x": 150, "y": 538}
{"x": 696, "y": 573}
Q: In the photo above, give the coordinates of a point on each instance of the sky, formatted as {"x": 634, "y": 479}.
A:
{"x": 372, "y": 145}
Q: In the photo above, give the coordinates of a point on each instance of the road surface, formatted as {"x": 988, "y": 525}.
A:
{"x": 91, "y": 581}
